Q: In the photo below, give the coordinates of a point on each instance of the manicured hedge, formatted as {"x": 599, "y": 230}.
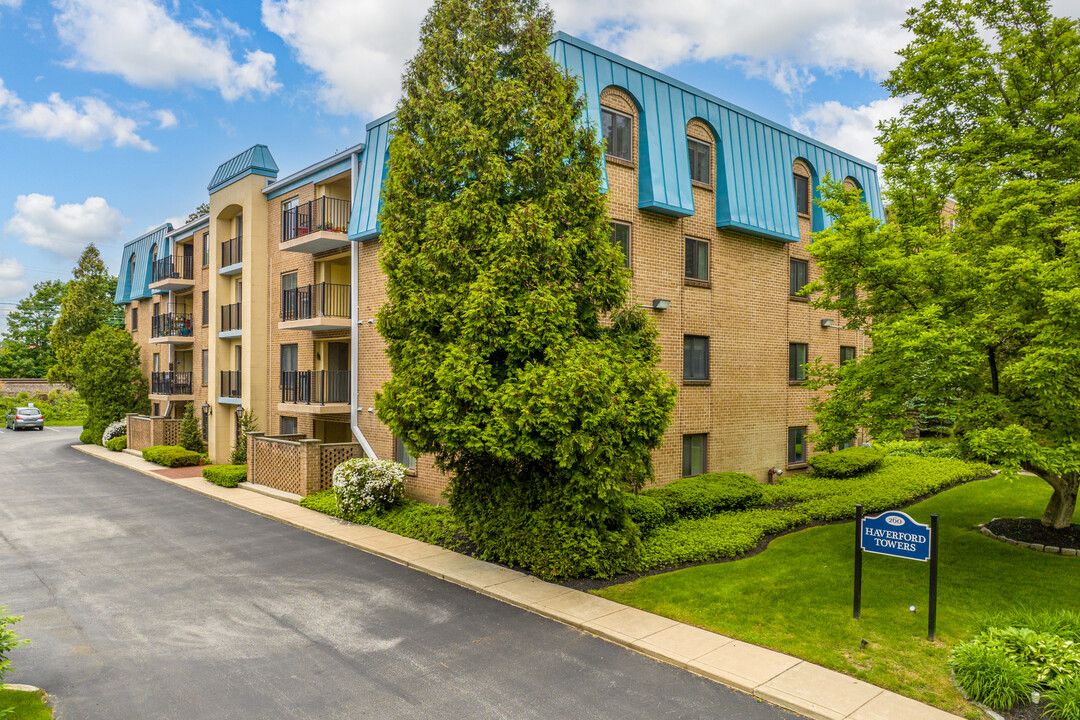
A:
{"x": 171, "y": 456}
{"x": 225, "y": 475}
{"x": 433, "y": 524}
{"x": 646, "y": 511}
{"x": 849, "y": 462}
{"x": 86, "y": 437}
{"x": 707, "y": 494}
{"x": 117, "y": 444}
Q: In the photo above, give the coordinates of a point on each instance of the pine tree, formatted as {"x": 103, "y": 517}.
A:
{"x": 516, "y": 361}
{"x": 190, "y": 433}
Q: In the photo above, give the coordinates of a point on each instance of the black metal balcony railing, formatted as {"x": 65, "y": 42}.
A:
{"x": 311, "y": 301}
{"x": 170, "y": 383}
{"x": 171, "y": 325}
{"x": 230, "y": 317}
{"x": 326, "y": 213}
{"x": 315, "y": 387}
{"x": 174, "y": 267}
{"x": 232, "y": 251}
{"x": 230, "y": 384}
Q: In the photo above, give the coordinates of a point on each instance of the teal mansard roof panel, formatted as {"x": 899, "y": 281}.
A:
{"x": 256, "y": 160}
{"x": 138, "y": 264}
{"x": 754, "y": 156}
{"x": 364, "y": 223}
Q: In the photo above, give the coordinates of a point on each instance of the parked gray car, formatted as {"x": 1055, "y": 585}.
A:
{"x": 24, "y": 418}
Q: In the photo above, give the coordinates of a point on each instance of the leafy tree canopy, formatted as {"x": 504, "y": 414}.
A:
{"x": 26, "y": 350}
{"x": 107, "y": 375}
{"x": 981, "y": 322}
{"x": 87, "y": 305}
{"x": 500, "y": 274}
{"x": 203, "y": 209}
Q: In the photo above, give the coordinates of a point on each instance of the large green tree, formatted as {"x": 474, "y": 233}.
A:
{"x": 107, "y": 376}
{"x": 516, "y": 363}
{"x": 980, "y": 322}
{"x": 26, "y": 350}
{"x": 87, "y": 305}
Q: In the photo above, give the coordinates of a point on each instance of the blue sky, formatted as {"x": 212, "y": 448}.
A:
{"x": 114, "y": 114}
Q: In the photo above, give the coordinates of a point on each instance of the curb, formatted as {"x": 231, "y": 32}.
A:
{"x": 1050, "y": 549}
{"x": 783, "y": 680}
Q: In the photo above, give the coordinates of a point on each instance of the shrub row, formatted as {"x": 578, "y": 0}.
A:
{"x": 171, "y": 456}
{"x": 57, "y": 406}
{"x": 707, "y": 494}
{"x": 429, "y": 523}
{"x": 848, "y": 462}
{"x": 225, "y": 475}
{"x": 117, "y": 444}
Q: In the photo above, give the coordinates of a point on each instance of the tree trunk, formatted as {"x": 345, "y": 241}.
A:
{"x": 1059, "y": 511}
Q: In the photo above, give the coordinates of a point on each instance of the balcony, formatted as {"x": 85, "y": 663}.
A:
{"x": 170, "y": 383}
{"x": 173, "y": 272}
{"x": 324, "y": 306}
{"x": 230, "y": 321}
{"x": 171, "y": 328}
{"x": 232, "y": 256}
{"x": 229, "y": 387}
{"x": 315, "y": 391}
{"x": 316, "y": 226}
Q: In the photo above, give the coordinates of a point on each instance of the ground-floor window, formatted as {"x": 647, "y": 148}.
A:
{"x": 288, "y": 425}
{"x": 401, "y": 454}
{"x": 157, "y": 407}
{"x": 693, "y": 454}
{"x": 796, "y": 445}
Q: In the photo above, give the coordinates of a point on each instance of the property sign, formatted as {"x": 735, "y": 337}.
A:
{"x": 895, "y": 533}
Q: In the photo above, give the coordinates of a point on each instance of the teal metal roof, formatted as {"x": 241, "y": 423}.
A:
{"x": 364, "y": 223}
{"x": 314, "y": 174}
{"x": 136, "y": 285}
{"x": 256, "y": 160}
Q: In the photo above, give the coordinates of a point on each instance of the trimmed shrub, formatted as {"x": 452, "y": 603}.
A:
{"x": 171, "y": 456}
{"x": 1063, "y": 699}
{"x": 86, "y": 437}
{"x": 366, "y": 484}
{"x": 225, "y": 475}
{"x": 645, "y": 511}
{"x": 848, "y": 462}
{"x": 190, "y": 432}
{"x": 114, "y": 430}
{"x": 990, "y": 675}
{"x": 707, "y": 494}
{"x": 117, "y": 444}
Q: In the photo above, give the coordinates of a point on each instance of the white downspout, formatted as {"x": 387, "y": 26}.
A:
{"x": 354, "y": 327}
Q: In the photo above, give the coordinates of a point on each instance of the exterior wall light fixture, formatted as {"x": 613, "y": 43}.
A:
{"x": 829, "y": 323}
{"x": 661, "y": 304}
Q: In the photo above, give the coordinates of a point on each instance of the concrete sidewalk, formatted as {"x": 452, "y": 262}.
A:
{"x": 786, "y": 681}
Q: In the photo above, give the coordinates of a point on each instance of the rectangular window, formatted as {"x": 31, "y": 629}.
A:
{"x": 798, "y": 275}
{"x": 847, "y": 354}
{"x": 157, "y": 363}
{"x": 802, "y": 194}
{"x": 797, "y": 362}
{"x": 620, "y": 238}
{"x": 618, "y": 134}
{"x": 157, "y": 309}
{"x": 157, "y": 410}
{"x": 289, "y": 358}
{"x": 205, "y": 421}
{"x": 693, "y": 454}
{"x": 288, "y": 425}
{"x": 796, "y": 444}
{"x": 697, "y": 259}
{"x": 401, "y": 454}
{"x": 205, "y": 366}
{"x": 700, "y": 161}
{"x": 205, "y": 307}
{"x": 695, "y": 357}
{"x": 239, "y": 226}
{"x": 848, "y": 294}
{"x": 205, "y": 249}
{"x": 134, "y": 318}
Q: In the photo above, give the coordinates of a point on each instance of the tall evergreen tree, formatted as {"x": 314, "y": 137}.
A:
{"x": 516, "y": 362}
{"x": 980, "y": 322}
{"x": 87, "y": 305}
{"x": 26, "y": 350}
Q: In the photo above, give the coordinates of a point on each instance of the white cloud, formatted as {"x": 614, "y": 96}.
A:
{"x": 66, "y": 229}
{"x": 11, "y": 278}
{"x": 851, "y": 129}
{"x": 87, "y": 123}
{"x": 166, "y": 119}
{"x": 357, "y": 47}
{"x": 141, "y": 42}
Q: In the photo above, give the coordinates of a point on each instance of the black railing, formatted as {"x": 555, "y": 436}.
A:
{"x": 171, "y": 325}
{"x": 232, "y": 251}
{"x": 230, "y": 317}
{"x": 310, "y": 301}
{"x": 170, "y": 383}
{"x": 326, "y": 213}
{"x": 174, "y": 267}
{"x": 315, "y": 387}
{"x": 230, "y": 384}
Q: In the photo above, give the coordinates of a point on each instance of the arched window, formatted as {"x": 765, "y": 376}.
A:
{"x": 803, "y": 187}
{"x": 131, "y": 272}
{"x": 700, "y": 145}
{"x": 617, "y": 120}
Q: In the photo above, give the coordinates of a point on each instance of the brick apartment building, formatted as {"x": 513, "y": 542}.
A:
{"x": 267, "y": 303}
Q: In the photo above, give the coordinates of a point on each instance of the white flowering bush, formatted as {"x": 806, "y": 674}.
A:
{"x": 114, "y": 430}
{"x": 363, "y": 483}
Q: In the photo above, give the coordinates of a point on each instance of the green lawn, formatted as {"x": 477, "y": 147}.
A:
{"x": 796, "y": 596}
{"x": 27, "y": 705}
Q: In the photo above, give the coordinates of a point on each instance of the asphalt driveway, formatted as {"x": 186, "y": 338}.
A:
{"x": 143, "y": 600}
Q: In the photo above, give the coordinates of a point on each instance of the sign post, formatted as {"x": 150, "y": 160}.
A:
{"x": 896, "y": 534}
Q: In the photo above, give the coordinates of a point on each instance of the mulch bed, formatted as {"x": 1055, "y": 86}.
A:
{"x": 1027, "y": 711}
{"x": 192, "y": 471}
{"x": 1030, "y": 530}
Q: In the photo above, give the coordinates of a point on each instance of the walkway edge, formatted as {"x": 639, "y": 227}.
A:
{"x": 780, "y": 679}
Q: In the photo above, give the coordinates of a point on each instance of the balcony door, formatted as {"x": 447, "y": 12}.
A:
{"x": 337, "y": 365}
